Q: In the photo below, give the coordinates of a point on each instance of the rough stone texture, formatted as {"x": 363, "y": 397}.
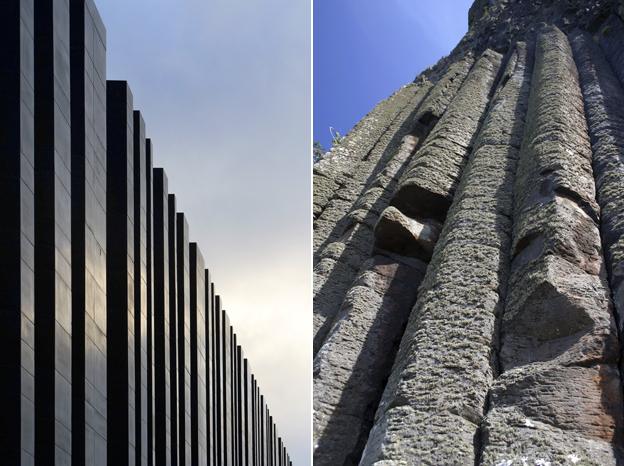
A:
{"x": 405, "y": 236}
{"x": 610, "y": 37}
{"x": 604, "y": 104}
{"x": 356, "y": 146}
{"x": 444, "y": 365}
{"x": 352, "y": 366}
{"x": 427, "y": 187}
{"x": 508, "y": 240}
{"x": 350, "y": 229}
{"x": 558, "y": 336}
{"x": 355, "y": 176}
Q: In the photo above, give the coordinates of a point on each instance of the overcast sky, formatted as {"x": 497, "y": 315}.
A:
{"x": 364, "y": 50}
{"x": 223, "y": 86}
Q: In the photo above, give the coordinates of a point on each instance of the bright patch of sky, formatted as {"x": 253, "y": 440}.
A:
{"x": 224, "y": 88}
{"x": 364, "y": 50}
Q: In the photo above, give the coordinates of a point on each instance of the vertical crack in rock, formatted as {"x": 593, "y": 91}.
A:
{"x": 426, "y": 189}
{"x": 350, "y": 242}
{"x": 331, "y": 222}
{"x": 467, "y": 301}
{"x": 352, "y": 366}
{"x": 435, "y": 396}
{"x": 356, "y": 146}
{"x": 337, "y": 166}
{"x": 559, "y": 395}
{"x": 611, "y": 39}
{"x": 604, "y": 105}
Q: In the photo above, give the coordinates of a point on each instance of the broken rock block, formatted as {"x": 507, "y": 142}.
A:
{"x": 406, "y": 236}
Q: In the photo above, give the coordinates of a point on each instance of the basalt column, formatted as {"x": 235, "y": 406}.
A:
{"x": 352, "y": 366}
{"x": 559, "y": 396}
{"x": 443, "y": 368}
{"x": 604, "y": 106}
{"x": 17, "y": 233}
{"x": 53, "y": 273}
{"x": 610, "y": 38}
{"x": 120, "y": 275}
{"x": 344, "y": 234}
{"x": 88, "y": 142}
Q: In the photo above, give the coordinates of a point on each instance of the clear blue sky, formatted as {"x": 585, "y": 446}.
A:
{"x": 366, "y": 49}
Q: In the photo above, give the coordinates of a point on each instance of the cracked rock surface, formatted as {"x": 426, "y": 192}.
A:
{"x": 468, "y": 253}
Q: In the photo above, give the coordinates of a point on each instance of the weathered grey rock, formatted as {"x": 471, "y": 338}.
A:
{"x": 436, "y": 103}
{"x": 351, "y": 367}
{"x": 405, "y": 236}
{"x": 427, "y": 187}
{"x": 604, "y": 104}
{"x": 510, "y": 353}
{"x": 564, "y": 415}
{"x": 558, "y": 312}
{"x": 515, "y": 439}
{"x": 356, "y": 175}
{"x": 340, "y": 215}
{"x": 559, "y": 342}
{"x": 356, "y": 145}
{"x": 611, "y": 37}
{"x": 333, "y": 276}
{"x": 436, "y": 395}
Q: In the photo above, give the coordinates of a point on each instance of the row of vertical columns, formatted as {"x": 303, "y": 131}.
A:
{"x": 114, "y": 347}
{"x": 17, "y": 233}
{"x": 140, "y": 290}
{"x": 52, "y": 224}
{"x": 120, "y": 261}
{"x": 88, "y": 212}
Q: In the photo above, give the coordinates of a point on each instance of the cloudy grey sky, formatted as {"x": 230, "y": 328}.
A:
{"x": 224, "y": 89}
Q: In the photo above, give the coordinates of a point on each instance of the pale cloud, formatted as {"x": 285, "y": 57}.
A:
{"x": 224, "y": 90}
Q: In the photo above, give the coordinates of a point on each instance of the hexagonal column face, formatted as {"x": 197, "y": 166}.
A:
{"x": 559, "y": 394}
{"x": 450, "y": 334}
{"x": 52, "y": 233}
{"x": 17, "y": 234}
{"x": 604, "y": 103}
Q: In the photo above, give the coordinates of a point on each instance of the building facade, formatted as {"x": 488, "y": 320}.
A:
{"x": 114, "y": 346}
